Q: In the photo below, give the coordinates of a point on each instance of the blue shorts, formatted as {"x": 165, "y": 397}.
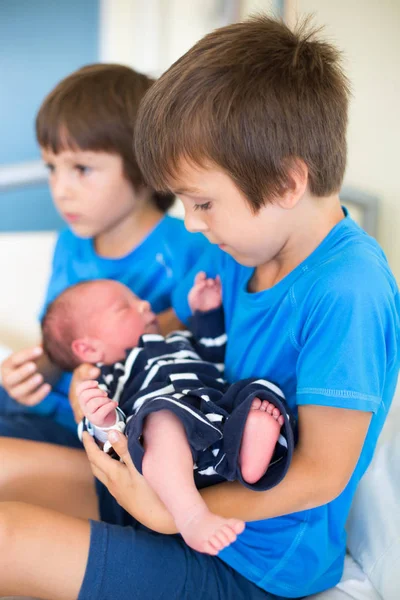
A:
{"x": 135, "y": 563}
{"x": 18, "y": 421}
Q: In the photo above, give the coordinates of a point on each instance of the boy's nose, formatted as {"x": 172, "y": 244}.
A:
{"x": 59, "y": 188}
{"x": 194, "y": 223}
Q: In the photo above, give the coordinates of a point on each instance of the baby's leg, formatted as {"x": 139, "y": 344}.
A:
{"x": 43, "y": 553}
{"x": 260, "y": 435}
{"x": 168, "y": 467}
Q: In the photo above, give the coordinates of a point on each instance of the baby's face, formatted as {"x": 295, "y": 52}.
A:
{"x": 119, "y": 319}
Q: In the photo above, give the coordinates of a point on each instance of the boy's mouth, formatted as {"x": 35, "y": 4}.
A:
{"x": 71, "y": 217}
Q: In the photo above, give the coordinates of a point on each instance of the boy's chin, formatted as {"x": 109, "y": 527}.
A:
{"x": 82, "y": 231}
{"x": 242, "y": 259}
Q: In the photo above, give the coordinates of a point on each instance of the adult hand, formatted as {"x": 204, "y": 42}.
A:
{"x": 82, "y": 373}
{"x": 128, "y": 487}
{"x": 21, "y": 379}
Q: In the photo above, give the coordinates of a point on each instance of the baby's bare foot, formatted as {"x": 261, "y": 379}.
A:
{"x": 209, "y": 533}
{"x": 260, "y": 435}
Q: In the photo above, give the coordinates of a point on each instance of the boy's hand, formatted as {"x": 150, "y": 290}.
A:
{"x": 95, "y": 404}
{"x": 20, "y": 377}
{"x": 206, "y": 293}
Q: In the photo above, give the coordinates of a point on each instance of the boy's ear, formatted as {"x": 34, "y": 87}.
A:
{"x": 295, "y": 185}
{"x": 88, "y": 350}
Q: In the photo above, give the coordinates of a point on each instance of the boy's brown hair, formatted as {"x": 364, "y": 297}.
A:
{"x": 95, "y": 108}
{"x": 249, "y": 98}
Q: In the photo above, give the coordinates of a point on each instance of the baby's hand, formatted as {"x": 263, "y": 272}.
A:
{"x": 95, "y": 404}
{"x": 206, "y": 293}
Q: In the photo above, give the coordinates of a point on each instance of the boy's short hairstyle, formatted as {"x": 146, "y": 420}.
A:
{"x": 95, "y": 108}
{"x": 249, "y": 98}
{"x": 60, "y": 329}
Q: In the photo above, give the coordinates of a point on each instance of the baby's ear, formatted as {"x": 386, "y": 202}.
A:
{"x": 89, "y": 350}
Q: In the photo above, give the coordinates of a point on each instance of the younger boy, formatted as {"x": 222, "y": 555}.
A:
{"x": 179, "y": 409}
{"x": 117, "y": 229}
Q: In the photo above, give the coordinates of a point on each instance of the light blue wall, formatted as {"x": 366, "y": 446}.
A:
{"x": 41, "y": 41}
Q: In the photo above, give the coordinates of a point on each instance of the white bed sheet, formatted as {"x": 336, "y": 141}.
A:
{"x": 354, "y": 585}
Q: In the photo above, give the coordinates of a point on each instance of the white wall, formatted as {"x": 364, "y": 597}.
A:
{"x": 25, "y": 260}
{"x": 368, "y": 34}
{"x": 150, "y": 35}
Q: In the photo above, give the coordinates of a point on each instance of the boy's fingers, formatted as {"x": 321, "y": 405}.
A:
{"x": 22, "y": 356}
{"x": 18, "y": 375}
{"x": 104, "y": 468}
{"x": 37, "y": 396}
{"x": 27, "y": 387}
{"x": 119, "y": 442}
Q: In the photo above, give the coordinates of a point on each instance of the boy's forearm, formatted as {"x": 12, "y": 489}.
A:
{"x": 330, "y": 442}
{"x": 305, "y": 486}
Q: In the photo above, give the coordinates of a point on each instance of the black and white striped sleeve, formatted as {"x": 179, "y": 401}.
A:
{"x": 209, "y": 336}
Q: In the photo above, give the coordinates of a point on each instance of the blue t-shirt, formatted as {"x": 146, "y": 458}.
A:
{"x": 327, "y": 334}
{"x": 152, "y": 270}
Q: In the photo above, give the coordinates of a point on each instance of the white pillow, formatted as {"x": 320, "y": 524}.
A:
{"x": 374, "y": 522}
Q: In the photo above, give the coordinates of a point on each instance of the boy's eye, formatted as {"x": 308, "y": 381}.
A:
{"x": 205, "y": 206}
{"x": 49, "y": 167}
{"x": 82, "y": 169}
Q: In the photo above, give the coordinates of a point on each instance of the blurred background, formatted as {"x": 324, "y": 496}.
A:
{"x": 41, "y": 41}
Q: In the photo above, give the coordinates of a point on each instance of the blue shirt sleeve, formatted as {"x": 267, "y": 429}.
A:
{"x": 59, "y": 273}
{"x": 348, "y": 338}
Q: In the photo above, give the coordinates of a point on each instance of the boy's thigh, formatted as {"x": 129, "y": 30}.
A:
{"x": 18, "y": 421}
{"x": 133, "y": 562}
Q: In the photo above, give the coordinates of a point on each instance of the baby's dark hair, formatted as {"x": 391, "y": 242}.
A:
{"x": 95, "y": 108}
{"x": 250, "y": 99}
{"x": 60, "y": 329}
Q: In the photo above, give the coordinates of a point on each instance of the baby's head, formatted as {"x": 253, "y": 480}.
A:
{"x": 95, "y": 321}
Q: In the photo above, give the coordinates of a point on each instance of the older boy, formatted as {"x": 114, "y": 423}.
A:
{"x": 258, "y": 158}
